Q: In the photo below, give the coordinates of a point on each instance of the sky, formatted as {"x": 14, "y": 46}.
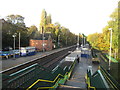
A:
{"x": 80, "y": 16}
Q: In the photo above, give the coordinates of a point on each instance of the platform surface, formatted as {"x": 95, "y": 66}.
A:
{"x": 11, "y": 62}
{"x": 78, "y": 76}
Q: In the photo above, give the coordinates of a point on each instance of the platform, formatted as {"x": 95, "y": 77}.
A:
{"x": 77, "y": 79}
{"x": 11, "y": 62}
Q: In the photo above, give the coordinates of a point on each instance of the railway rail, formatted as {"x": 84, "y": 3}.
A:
{"x": 54, "y": 62}
{"x": 47, "y": 59}
{"x": 47, "y": 73}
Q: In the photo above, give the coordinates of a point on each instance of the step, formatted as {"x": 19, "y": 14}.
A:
{"x": 66, "y": 86}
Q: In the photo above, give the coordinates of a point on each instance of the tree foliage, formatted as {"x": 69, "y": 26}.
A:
{"x": 49, "y": 20}
{"x": 43, "y": 21}
{"x": 9, "y": 29}
{"x": 15, "y": 24}
{"x": 101, "y": 41}
{"x": 16, "y": 20}
{"x": 32, "y": 31}
{"x": 57, "y": 31}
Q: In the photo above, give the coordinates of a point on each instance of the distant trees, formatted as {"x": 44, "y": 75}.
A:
{"x": 119, "y": 30}
{"x": 49, "y": 20}
{"x": 113, "y": 23}
{"x": 32, "y": 30}
{"x": 101, "y": 41}
{"x": 15, "y": 24}
{"x": 64, "y": 35}
{"x": 57, "y": 31}
{"x": 16, "y": 20}
{"x": 10, "y": 27}
{"x": 43, "y": 22}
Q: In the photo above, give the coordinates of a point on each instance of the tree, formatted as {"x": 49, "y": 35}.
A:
{"x": 92, "y": 38}
{"x": 16, "y": 19}
{"x": 62, "y": 33}
{"x": 113, "y": 23}
{"x": 58, "y": 28}
{"x": 102, "y": 41}
{"x": 106, "y": 38}
{"x": 43, "y": 21}
{"x": 8, "y": 29}
{"x": 32, "y": 31}
{"x": 49, "y": 25}
{"x": 49, "y": 20}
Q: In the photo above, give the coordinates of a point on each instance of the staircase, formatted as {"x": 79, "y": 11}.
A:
{"x": 67, "y": 87}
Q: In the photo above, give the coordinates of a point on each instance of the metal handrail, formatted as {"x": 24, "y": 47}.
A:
{"x": 17, "y": 76}
{"x": 110, "y": 79}
{"x": 57, "y": 78}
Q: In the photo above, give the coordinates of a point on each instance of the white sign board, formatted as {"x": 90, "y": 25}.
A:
{"x": 70, "y": 58}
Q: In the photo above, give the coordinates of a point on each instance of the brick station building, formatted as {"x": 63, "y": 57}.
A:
{"x": 41, "y": 44}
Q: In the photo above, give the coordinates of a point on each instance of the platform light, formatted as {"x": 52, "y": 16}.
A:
{"x": 14, "y": 35}
{"x": 58, "y": 40}
{"x": 110, "y": 47}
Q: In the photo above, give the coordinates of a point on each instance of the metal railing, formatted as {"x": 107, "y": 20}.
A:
{"x": 110, "y": 80}
{"x": 24, "y": 77}
{"x": 36, "y": 76}
{"x": 105, "y": 79}
{"x": 60, "y": 76}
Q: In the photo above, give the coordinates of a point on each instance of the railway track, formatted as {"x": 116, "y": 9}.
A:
{"x": 49, "y": 61}
{"x": 54, "y": 62}
{"x": 46, "y": 61}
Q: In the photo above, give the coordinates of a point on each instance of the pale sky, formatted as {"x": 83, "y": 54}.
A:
{"x": 80, "y": 16}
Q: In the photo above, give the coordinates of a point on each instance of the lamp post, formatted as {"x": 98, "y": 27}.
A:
{"x": 14, "y": 35}
{"x": 43, "y": 42}
{"x": 19, "y": 43}
{"x": 66, "y": 40}
{"x": 78, "y": 41}
{"x": 58, "y": 40}
{"x": 110, "y": 47}
{"x": 59, "y": 35}
{"x": 84, "y": 41}
{"x": 43, "y": 38}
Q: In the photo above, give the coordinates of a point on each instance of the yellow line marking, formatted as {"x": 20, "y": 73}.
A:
{"x": 109, "y": 79}
{"x": 49, "y": 80}
{"x": 104, "y": 58}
